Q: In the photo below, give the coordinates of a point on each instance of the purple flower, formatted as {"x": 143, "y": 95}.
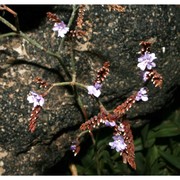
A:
{"x": 142, "y": 95}
{"x": 145, "y": 76}
{"x": 146, "y": 61}
{"x": 35, "y": 98}
{"x": 97, "y": 86}
{"x": 94, "y": 90}
{"x": 73, "y": 148}
{"x": 118, "y": 143}
{"x": 61, "y": 28}
{"x": 108, "y": 123}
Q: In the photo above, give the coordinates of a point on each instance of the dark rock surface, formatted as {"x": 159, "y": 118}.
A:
{"x": 112, "y": 36}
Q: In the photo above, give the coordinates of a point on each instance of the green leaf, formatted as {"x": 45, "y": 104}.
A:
{"x": 104, "y": 155}
{"x": 152, "y": 155}
{"x": 175, "y": 117}
{"x": 138, "y": 144}
{"x": 140, "y": 160}
{"x": 174, "y": 160}
{"x": 144, "y": 134}
{"x": 88, "y": 160}
{"x": 164, "y": 124}
{"x": 150, "y": 142}
{"x": 168, "y": 132}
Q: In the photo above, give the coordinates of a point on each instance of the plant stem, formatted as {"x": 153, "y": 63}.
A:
{"x": 4, "y": 7}
{"x": 82, "y": 133}
{"x": 75, "y": 7}
{"x": 73, "y": 64}
{"x": 71, "y": 84}
{"x": 8, "y": 24}
{"x": 78, "y": 98}
{"x": 8, "y": 34}
{"x": 81, "y": 105}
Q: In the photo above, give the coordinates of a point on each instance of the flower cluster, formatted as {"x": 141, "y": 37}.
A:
{"x": 122, "y": 137}
{"x": 36, "y": 99}
{"x": 146, "y": 61}
{"x": 119, "y": 137}
{"x": 94, "y": 89}
{"x": 75, "y": 148}
{"x": 59, "y": 25}
{"x": 61, "y": 28}
{"x": 118, "y": 143}
{"x": 123, "y": 142}
{"x": 38, "y": 102}
{"x": 146, "y": 64}
{"x": 142, "y": 95}
{"x": 108, "y": 123}
{"x": 102, "y": 73}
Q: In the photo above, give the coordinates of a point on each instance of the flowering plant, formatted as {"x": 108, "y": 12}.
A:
{"x": 116, "y": 119}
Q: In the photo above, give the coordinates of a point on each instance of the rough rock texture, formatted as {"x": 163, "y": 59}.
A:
{"x": 112, "y": 36}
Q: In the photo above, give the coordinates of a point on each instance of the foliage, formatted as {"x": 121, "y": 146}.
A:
{"x": 157, "y": 151}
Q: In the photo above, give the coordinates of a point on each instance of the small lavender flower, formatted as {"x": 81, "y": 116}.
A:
{"x": 145, "y": 76}
{"x": 61, "y": 28}
{"x": 118, "y": 143}
{"x": 97, "y": 86}
{"x": 73, "y": 148}
{"x": 146, "y": 61}
{"x": 108, "y": 123}
{"x": 142, "y": 95}
{"x": 35, "y": 98}
{"x": 94, "y": 90}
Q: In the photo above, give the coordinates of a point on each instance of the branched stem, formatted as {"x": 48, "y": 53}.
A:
{"x": 71, "y": 84}
{"x": 33, "y": 42}
{"x": 78, "y": 99}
